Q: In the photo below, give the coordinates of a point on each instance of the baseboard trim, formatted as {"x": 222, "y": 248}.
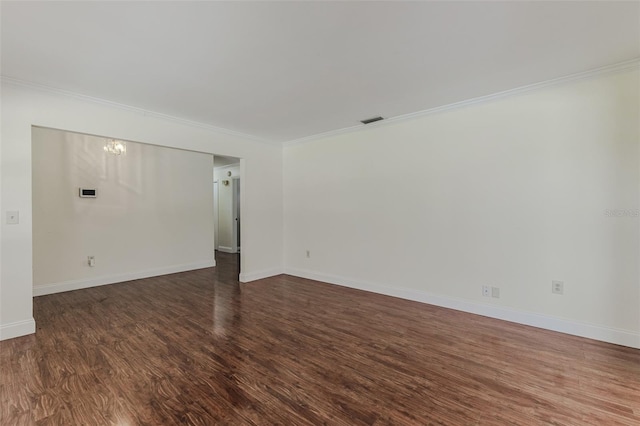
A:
{"x": 226, "y": 249}
{"x": 562, "y": 325}
{"x": 17, "y": 329}
{"x": 258, "y": 275}
{"x": 60, "y": 287}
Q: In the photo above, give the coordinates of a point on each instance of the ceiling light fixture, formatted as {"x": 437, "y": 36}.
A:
{"x": 115, "y": 147}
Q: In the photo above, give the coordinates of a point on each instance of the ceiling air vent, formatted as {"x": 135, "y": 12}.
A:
{"x": 371, "y": 120}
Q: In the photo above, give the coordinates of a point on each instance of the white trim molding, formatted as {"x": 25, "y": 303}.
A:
{"x": 609, "y": 69}
{"x": 42, "y": 290}
{"x": 562, "y": 325}
{"x": 17, "y": 329}
{"x": 258, "y": 275}
{"x": 184, "y": 121}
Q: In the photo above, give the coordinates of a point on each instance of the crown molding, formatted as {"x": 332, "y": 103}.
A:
{"x": 141, "y": 111}
{"x": 609, "y": 69}
{"x": 597, "y": 72}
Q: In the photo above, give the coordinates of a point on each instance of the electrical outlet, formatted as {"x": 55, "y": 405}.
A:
{"x": 91, "y": 261}
{"x": 13, "y": 218}
{"x": 486, "y": 291}
{"x": 308, "y": 254}
{"x": 495, "y": 292}
{"x": 557, "y": 287}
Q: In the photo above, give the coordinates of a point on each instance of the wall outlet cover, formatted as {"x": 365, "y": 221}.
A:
{"x": 557, "y": 287}
{"x": 13, "y": 217}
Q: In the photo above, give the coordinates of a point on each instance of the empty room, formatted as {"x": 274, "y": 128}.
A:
{"x": 320, "y": 213}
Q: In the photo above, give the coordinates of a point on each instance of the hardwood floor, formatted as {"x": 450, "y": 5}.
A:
{"x": 200, "y": 348}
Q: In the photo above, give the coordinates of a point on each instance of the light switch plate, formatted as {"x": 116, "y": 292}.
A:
{"x": 13, "y": 218}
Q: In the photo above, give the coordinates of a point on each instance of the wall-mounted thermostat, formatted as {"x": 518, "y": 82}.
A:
{"x": 88, "y": 193}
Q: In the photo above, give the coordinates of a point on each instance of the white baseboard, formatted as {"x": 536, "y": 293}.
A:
{"x": 17, "y": 329}
{"x": 258, "y": 275}
{"x": 45, "y": 289}
{"x": 596, "y": 332}
{"x": 226, "y": 249}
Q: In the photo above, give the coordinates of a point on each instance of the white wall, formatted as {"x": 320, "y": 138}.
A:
{"x": 24, "y": 106}
{"x": 153, "y": 214}
{"x": 511, "y": 193}
{"x": 226, "y": 215}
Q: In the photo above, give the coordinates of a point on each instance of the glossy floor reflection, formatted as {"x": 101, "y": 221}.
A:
{"x": 201, "y": 348}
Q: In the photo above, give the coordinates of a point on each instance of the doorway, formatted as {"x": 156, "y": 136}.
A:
{"x": 90, "y": 210}
{"x": 227, "y": 206}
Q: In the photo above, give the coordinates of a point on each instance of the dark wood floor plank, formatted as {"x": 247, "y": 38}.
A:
{"x": 201, "y": 348}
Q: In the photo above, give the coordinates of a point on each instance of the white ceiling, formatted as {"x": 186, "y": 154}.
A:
{"x": 286, "y": 70}
{"x": 221, "y": 161}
